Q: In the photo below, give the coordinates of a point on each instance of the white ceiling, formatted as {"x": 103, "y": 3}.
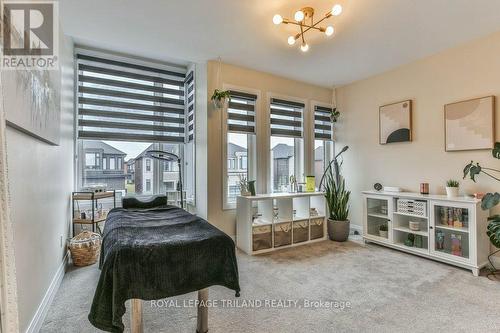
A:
{"x": 371, "y": 36}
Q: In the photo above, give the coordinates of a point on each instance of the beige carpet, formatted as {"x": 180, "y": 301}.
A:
{"x": 387, "y": 290}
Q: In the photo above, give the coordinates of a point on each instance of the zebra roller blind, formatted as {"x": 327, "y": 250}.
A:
{"x": 286, "y": 118}
{"x": 119, "y": 100}
{"x": 189, "y": 88}
{"x": 241, "y": 112}
{"x": 322, "y": 123}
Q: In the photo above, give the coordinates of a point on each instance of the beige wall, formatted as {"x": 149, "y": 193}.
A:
{"x": 40, "y": 184}
{"x": 265, "y": 83}
{"x": 468, "y": 71}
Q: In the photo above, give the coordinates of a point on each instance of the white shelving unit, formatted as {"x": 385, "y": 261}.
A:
{"x": 451, "y": 230}
{"x": 267, "y": 222}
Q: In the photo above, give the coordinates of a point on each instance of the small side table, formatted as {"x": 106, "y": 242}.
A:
{"x": 94, "y": 197}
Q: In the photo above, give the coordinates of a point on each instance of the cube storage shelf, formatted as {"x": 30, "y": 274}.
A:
{"x": 267, "y": 222}
{"x": 451, "y": 230}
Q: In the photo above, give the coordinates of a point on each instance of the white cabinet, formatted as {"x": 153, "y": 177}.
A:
{"x": 267, "y": 222}
{"x": 452, "y": 230}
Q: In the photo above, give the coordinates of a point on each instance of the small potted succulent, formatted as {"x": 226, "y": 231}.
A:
{"x": 220, "y": 98}
{"x": 452, "y": 188}
{"x": 383, "y": 230}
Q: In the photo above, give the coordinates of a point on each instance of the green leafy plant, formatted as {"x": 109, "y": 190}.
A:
{"x": 383, "y": 227}
{"x": 452, "y": 183}
{"x": 334, "y": 115}
{"x": 220, "y": 95}
{"x": 337, "y": 196}
{"x": 490, "y": 200}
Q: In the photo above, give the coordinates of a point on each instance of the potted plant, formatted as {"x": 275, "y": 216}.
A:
{"x": 383, "y": 230}
{"x": 220, "y": 97}
{"x": 489, "y": 201}
{"x": 243, "y": 183}
{"x": 452, "y": 188}
{"x": 337, "y": 199}
{"x": 334, "y": 115}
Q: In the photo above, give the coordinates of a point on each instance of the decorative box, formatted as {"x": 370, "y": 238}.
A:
{"x": 413, "y": 207}
{"x": 317, "y": 227}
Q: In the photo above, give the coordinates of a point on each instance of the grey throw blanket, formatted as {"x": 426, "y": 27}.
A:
{"x": 156, "y": 253}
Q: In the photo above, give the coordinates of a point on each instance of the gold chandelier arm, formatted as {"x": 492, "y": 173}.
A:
{"x": 302, "y": 34}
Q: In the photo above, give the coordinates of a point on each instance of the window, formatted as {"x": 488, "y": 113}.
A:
{"x": 323, "y": 154}
{"x": 112, "y": 163}
{"x": 104, "y": 163}
{"x": 126, "y": 107}
{"x": 323, "y": 143}
{"x": 92, "y": 160}
{"x": 240, "y": 144}
{"x": 286, "y": 155}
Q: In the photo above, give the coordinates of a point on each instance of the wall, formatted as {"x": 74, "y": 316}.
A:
{"x": 40, "y": 184}
{"x": 265, "y": 83}
{"x": 468, "y": 71}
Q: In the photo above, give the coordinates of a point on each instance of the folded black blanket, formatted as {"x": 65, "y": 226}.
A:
{"x": 156, "y": 253}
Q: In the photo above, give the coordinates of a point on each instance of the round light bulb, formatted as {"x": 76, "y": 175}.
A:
{"x": 277, "y": 19}
{"x": 304, "y": 47}
{"x": 291, "y": 40}
{"x": 329, "y": 30}
{"x": 299, "y": 16}
{"x": 336, "y": 10}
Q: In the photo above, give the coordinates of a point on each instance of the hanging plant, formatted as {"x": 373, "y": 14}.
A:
{"x": 219, "y": 98}
{"x": 334, "y": 115}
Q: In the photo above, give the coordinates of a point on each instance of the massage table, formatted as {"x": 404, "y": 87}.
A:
{"x": 151, "y": 251}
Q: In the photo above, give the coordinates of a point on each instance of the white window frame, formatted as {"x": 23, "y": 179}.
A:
{"x": 328, "y": 154}
{"x": 300, "y": 151}
{"x": 252, "y": 149}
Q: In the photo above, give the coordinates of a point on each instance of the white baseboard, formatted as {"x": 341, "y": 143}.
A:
{"x": 358, "y": 228}
{"x": 43, "y": 308}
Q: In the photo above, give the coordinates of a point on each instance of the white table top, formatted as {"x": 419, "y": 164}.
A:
{"x": 415, "y": 195}
{"x": 281, "y": 195}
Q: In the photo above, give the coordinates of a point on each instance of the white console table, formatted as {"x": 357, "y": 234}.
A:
{"x": 452, "y": 230}
{"x": 267, "y": 222}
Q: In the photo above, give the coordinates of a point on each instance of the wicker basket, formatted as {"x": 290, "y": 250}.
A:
{"x": 85, "y": 248}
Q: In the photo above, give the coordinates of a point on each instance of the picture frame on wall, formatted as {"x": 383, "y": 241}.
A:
{"x": 395, "y": 122}
{"x": 470, "y": 124}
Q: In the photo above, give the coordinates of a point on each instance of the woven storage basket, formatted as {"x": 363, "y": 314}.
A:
{"x": 85, "y": 248}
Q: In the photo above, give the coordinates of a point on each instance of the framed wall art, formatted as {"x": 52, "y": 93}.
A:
{"x": 395, "y": 122}
{"x": 470, "y": 124}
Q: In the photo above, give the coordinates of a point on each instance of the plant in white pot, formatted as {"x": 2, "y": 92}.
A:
{"x": 337, "y": 200}
{"x": 452, "y": 188}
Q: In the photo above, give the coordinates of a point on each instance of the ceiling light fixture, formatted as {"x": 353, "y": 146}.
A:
{"x": 305, "y": 20}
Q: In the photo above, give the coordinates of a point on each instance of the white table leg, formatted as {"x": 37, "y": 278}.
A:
{"x": 202, "y": 322}
{"x": 136, "y": 316}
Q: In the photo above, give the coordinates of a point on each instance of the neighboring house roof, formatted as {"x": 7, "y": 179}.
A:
{"x": 282, "y": 150}
{"x": 232, "y": 149}
{"x": 318, "y": 154}
{"x": 107, "y": 149}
